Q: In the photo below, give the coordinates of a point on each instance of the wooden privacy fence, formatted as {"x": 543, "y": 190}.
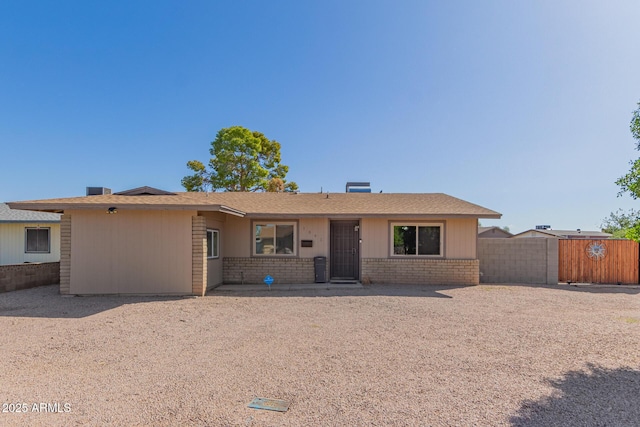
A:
{"x": 597, "y": 261}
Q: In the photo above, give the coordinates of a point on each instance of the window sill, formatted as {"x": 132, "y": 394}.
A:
{"x": 416, "y": 256}
{"x": 275, "y": 256}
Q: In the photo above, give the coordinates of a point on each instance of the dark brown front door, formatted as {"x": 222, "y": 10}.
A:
{"x": 345, "y": 253}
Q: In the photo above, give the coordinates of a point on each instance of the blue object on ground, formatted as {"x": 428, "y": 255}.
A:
{"x": 269, "y": 404}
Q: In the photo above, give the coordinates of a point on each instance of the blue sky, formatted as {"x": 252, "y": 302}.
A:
{"x": 521, "y": 107}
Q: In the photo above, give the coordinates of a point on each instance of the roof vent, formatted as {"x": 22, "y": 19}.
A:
{"x": 98, "y": 191}
{"x": 358, "y": 187}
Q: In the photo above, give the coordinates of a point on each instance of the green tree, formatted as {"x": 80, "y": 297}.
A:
{"x": 618, "y": 223}
{"x": 633, "y": 233}
{"x": 622, "y": 225}
{"x": 631, "y": 181}
{"x": 243, "y": 160}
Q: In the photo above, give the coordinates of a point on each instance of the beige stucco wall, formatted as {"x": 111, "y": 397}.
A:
{"x": 239, "y": 236}
{"x": 374, "y": 233}
{"x": 215, "y": 221}
{"x": 152, "y": 252}
{"x": 139, "y": 252}
{"x": 460, "y": 237}
{"x": 317, "y": 230}
{"x": 238, "y": 232}
{"x": 12, "y": 243}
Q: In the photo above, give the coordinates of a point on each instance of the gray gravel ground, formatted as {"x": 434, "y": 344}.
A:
{"x": 385, "y": 355}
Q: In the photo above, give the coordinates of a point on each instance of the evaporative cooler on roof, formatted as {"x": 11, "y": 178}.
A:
{"x": 98, "y": 191}
{"x": 358, "y": 187}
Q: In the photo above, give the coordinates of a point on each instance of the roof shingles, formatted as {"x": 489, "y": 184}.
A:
{"x": 15, "y": 215}
{"x": 281, "y": 204}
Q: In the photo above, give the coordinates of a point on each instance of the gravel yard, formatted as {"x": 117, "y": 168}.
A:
{"x": 384, "y": 355}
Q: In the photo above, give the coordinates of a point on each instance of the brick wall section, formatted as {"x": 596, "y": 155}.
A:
{"x": 14, "y": 277}
{"x": 254, "y": 270}
{"x": 420, "y": 271}
{"x": 199, "y": 255}
{"x": 525, "y": 260}
{"x": 65, "y": 254}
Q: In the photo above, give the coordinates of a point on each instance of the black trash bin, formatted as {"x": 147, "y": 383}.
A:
{"x": 320, "y": 268}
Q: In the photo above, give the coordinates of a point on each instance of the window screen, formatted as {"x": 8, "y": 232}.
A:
{"x": 37, "y": 240}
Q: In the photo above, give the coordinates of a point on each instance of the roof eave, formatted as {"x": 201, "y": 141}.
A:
{"x": 47, "y": 207}
{"x": 369, "y": 215}
{"x": 61, "y": 207}
{"x": 29, "y": 221}
{"x": 26, "y": 206}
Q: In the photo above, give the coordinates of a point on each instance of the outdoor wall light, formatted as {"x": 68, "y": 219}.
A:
{"x": 112, "y": 210}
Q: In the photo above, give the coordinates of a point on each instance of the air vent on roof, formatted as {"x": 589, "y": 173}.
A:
{"x": 543, "y": 227}
{"x": 98, "y": 191}
{"x": 358, "y": 187}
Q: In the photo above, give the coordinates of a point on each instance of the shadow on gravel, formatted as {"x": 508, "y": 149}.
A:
{"x": 421, "y": 291}
{"x": 578, "y": 287}
{"x": 600, "y": 289}
{"x": 594, "y": 397}
{"x": 46, "y": 302}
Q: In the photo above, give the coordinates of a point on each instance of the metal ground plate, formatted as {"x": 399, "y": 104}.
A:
{"x": 269, "y": 404}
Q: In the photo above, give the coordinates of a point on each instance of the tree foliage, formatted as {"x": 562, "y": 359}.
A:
{"x": 619, "y": 223}
{"x": 631, "y": 181}
{"x": 635, "y": 126}
{"x": 633, "y": 233}
{"x": 243, "y": 160}
{"x": 622, "y": 225}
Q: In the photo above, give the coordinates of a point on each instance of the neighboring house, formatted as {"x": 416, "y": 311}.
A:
{"x": 27, "y": 236}
{"x": 563, "y": 234}
{"x": 493, "y": 233}
{"x": 147, "y": 241}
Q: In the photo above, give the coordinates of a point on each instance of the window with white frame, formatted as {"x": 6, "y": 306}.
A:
{"x": 417, "y": 239}
{"x": 37, "y": 240}
{"x": 213, "y": 243}
{"x": 274, "y": 238}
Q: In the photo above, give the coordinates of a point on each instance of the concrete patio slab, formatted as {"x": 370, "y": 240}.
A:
{"x": 286, "y": 287}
